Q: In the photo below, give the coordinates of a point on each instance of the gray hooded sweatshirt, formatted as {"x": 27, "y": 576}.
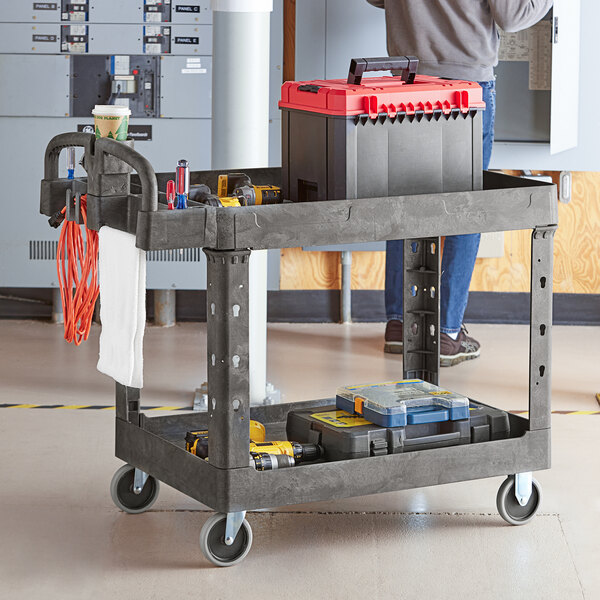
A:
{"x": 456, "y": 38}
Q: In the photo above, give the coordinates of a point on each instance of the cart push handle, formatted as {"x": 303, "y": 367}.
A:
{"x": 61, "y": 142}
{"x": 407, "y": 64}
{"x": 93, "y": 149}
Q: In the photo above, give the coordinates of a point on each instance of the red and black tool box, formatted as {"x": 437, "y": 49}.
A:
{"x": 380, "y": 136}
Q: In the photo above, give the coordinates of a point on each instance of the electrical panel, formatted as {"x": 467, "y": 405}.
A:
{"x": 107, "y": 11}
{"x": 131, "y": 81}
{"x": 59, "y": 59}
{"x": 74, "y": 11}
{"x": 104, "y": 38}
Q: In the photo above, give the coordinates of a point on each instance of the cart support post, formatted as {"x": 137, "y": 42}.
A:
{"x": 540, "y": 339}
{"x": 421, "y": 332}
{"x": 128, "y": 403}
{"x": 227, "y": 306}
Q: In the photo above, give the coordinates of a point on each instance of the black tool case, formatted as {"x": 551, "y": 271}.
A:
{"x": 341, "y": 440}
{"x": 380, "y": 136}
{"x": 155, "y": 444}
{"x": 353, "y": 437}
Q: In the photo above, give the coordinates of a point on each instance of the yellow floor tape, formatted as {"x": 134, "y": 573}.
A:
{"x": 189, "y": 408}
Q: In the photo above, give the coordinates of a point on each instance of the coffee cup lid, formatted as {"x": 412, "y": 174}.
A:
{"x": 113, "y": 110}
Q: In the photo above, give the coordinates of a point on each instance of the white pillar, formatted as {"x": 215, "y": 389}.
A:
{"x": 240, "y": 134}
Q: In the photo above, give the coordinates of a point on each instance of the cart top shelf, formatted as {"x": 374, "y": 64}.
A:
{"x": 505, "y": 203}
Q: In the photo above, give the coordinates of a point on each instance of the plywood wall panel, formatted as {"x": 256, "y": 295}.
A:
{"x": 577, "y": 243}
{"x": 576, "y": 254}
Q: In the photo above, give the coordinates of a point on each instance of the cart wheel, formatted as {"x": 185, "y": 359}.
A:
{"x": 213, "y": 546}
{"x": 121, "y": 491}
{"x": 508, "y": 505}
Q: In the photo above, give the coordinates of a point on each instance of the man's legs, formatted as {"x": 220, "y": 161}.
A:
{"x": 457, "y": 268}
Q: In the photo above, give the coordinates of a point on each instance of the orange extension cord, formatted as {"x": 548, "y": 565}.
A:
{"x": 77, "y": 268}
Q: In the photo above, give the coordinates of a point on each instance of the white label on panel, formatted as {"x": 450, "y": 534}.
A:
{"x": 121, "y": 65}
{"x": 187, "y": 71}
{"x": 540, "y": 56}
{"x": 514, "y": 46}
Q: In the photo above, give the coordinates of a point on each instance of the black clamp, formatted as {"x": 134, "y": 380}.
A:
{"x": 73, "y": 203}
{"x": 379, "y": 447}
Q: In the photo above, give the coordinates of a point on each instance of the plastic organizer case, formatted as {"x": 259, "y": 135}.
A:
{"x": 401, "y": 403}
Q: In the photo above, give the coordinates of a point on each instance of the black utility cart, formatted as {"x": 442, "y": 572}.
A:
{"x": 153, "y": 446}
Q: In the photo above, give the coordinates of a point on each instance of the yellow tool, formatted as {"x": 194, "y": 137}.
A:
{"x": 268, "y": 462}
{"x": 226, "y": 186}
{"x": 257, "y": 432}
{"x": 196, "y": 442}
{"x": 299, "y": 452}
{"x": 264, "y": 455}
{"x": 236, "y": 189}
{"x": 258, "y": 195}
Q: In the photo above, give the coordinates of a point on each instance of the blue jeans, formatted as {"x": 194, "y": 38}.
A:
{"x": 459, "y": 254}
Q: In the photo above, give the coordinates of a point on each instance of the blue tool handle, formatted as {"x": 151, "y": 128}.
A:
{"x": 429, "y": 416}
{"x": 181, "y": 201}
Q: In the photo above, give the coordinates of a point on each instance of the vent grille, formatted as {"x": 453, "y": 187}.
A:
{"x": 178, "y": 255}
{"x": 46, "y": 250}
{"x": 42, "y": 249}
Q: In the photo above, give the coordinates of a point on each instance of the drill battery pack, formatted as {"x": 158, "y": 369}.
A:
{"x": 344, "y": 435}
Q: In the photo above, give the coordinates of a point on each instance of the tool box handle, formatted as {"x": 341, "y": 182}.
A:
{"x": 451, "y": 439}
{"x": 438, "y": 415}
{"x": 61, "y": 142}
{"x": 407, "y": 64}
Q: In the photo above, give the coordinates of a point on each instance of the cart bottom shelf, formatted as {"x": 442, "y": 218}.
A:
{"x": 157, "y": 447}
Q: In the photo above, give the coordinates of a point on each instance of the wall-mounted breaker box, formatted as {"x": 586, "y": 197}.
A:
{"x": 107, "y": 11}
{"x": 105, "y": 38}
{"x": 59, "y": 59}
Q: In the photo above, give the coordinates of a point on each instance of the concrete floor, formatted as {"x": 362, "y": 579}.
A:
{"x": 63, "y": 538}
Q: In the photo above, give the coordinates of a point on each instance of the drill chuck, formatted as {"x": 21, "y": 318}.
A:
{"x": 262, "y": 461}
{"x": 311, "y": 452}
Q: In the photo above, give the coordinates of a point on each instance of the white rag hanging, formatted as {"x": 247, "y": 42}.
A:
{"x": 122, "y": 278}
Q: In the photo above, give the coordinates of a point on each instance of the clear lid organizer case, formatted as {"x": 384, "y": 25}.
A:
{"x": 404, "y": 402}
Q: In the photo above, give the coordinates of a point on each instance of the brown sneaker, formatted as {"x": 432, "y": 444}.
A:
{"x": 393, "y": 337}
{"x": 456, "y": 351}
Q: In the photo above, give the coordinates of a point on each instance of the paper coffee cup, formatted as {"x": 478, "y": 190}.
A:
{"x": 111, "y": 121}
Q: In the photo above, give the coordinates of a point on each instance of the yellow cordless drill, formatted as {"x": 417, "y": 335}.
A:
{"x": 196, "y": 442}
{"x": 236, "y": 189}
{"x": 264, "y": 456}
{"x": 299, "y": 452}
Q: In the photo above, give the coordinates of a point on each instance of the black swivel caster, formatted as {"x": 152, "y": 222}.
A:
{"x": 127, "y": 497}
{"x": 509, "y": 507}
{"x": 213, "y": 546}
